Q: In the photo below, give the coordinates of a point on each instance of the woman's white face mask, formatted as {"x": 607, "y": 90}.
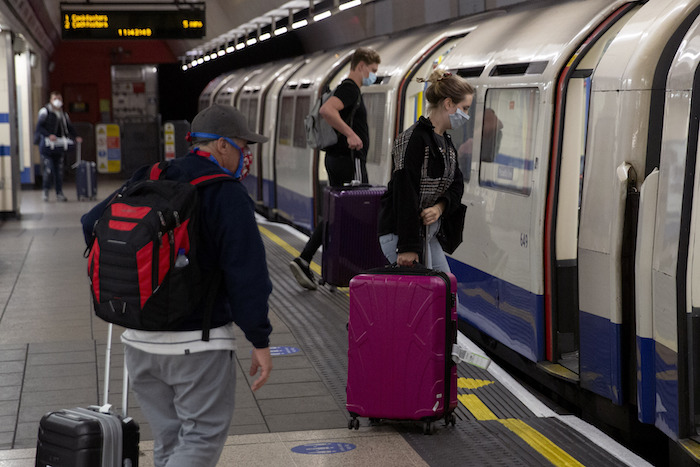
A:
{"x": 458, "y": 119}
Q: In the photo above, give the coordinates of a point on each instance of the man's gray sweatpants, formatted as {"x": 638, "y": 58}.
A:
{"x": 188, "y": 401}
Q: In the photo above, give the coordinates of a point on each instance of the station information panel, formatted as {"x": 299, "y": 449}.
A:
{"x": 102, "y": 21}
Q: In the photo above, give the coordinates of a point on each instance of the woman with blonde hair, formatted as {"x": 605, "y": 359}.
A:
{"x": 426, "y": 185}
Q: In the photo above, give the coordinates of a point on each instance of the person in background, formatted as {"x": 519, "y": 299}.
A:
{"x": 426, "y": 182}
{"x": 346, "y": 113}
{"x": 54, "y": 134}
{"x": 186, "y": 386}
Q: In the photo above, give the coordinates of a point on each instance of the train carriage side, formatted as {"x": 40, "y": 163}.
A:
{"x": 231, "y": 86}
{"x": 667, "y": 291}
{"x": 401, "y": 57}
{"x": 297, "y": 165}
{"x": 514, "y": 61}
{"x": 263, "y": 91}
{"x": 624, "y": 137}
{"x": 206, "y": 98}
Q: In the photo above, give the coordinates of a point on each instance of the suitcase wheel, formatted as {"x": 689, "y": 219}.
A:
{"x": 353, "y": 423}
{"x": 427, "y": 428}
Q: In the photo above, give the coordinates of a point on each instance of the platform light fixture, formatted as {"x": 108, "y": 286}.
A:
{"x": 322, "y": 16}
{"x": 252, "y": 31}
{"x": 348, "y": 5}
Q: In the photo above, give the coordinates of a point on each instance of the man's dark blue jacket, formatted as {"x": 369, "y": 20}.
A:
{"x": 229, "y": 240}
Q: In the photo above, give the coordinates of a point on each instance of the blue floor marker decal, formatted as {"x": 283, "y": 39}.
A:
{"x": 323, "y": 448}
{"x": 283, "y": 350}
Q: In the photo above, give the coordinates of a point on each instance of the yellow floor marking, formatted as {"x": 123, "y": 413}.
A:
{"x": 476, "y": 407}
{"x": 315, "y": 267}
{"x": 471, "y": 383}
{"x": 540, "y": 443}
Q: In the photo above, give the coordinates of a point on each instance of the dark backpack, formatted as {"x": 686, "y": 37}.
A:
{"x": 142, "y": 263}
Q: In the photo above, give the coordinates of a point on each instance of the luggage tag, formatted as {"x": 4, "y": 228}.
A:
{"x": 462, "y": 354}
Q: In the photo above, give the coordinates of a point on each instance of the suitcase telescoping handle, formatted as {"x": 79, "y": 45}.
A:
{"x": 125, "y": 379}
{"x": 78, "y": 155}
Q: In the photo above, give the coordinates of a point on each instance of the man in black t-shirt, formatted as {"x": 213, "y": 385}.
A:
{"x": 346, "y": 113}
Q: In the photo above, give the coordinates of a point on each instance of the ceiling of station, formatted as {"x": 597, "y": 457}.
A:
{"x": 226, "y": 20}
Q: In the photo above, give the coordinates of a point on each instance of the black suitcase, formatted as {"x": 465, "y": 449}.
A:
{"x": 89, "y": 437}
{"x": 85, "y": 176}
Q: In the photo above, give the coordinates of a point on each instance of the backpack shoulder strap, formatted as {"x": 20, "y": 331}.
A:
{"x": 207, "y": 179}
{"x": 157, "y": 170}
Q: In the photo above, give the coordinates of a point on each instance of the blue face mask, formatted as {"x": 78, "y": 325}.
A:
{"x": 369, "y": 80}
{"x": 458, "y": 119}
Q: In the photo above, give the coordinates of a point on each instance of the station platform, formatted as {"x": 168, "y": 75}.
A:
{"x": 52, "y": 351}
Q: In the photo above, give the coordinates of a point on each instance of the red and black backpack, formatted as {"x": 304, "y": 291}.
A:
{"x": 142, "y": 264}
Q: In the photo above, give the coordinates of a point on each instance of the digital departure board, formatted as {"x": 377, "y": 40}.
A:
{"x": 102, "y": 21}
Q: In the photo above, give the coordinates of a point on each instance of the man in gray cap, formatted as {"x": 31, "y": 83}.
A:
{"x": 185, "y": 385}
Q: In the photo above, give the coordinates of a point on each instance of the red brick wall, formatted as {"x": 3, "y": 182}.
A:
{"x": 81, "y": 67}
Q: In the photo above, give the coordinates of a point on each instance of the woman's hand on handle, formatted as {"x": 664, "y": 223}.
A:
{"x": 407, "y": 259}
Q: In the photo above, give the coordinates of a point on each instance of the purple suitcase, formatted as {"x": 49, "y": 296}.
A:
{"x": 403, "y": 323}
{"x": 350, "y": 243}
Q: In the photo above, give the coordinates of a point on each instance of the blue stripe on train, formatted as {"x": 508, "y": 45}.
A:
{"x": 646, "y": 388}
{"x": 666, "y": 378}
{"x": 298, "y": 208}
{"x": 251, "y": 184}
{"x": 268, "y": 193}
{"x": 599, "y": 356}
{"x": 507, "y": 313}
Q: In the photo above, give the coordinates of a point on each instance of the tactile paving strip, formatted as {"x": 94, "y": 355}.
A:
{"x": 318, "y": 321}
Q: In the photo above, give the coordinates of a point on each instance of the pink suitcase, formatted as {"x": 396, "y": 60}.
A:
{"x": 403, "y": 323}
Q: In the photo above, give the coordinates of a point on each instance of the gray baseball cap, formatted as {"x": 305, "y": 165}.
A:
{"x": 225, "y": 120}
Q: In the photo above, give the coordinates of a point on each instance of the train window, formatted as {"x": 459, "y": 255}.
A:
{"x": 302, "y": 109}
{"x": 285, "y": 121}
{"x": 508, "y": 138}
{"x": 253, "y": 114}
{"x": 463, "y": 139}
{"x": 375, "y": 102}
{"x": 243, "y": 105}
{"x": 248, "y": 107}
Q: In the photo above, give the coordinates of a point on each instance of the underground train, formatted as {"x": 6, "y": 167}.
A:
{"x": 578, "y": 263}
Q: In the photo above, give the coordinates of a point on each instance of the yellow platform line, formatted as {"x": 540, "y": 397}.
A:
{"x": 535, "y": 439}
{"x": 315, "y": 267}
{"x": 287, "y": 247}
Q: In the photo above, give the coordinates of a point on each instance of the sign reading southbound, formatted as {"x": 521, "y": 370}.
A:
{"x": 85, "y": 21}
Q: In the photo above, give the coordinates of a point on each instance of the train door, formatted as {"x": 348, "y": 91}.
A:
{"x": 268, "y": 120}
{"x": 668, "y": 259}
{"x": 564, "y": 202}
{"x": 248, "y": 104}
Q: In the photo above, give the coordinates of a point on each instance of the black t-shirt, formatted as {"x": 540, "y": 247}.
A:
{"x": 348, "y": 92}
